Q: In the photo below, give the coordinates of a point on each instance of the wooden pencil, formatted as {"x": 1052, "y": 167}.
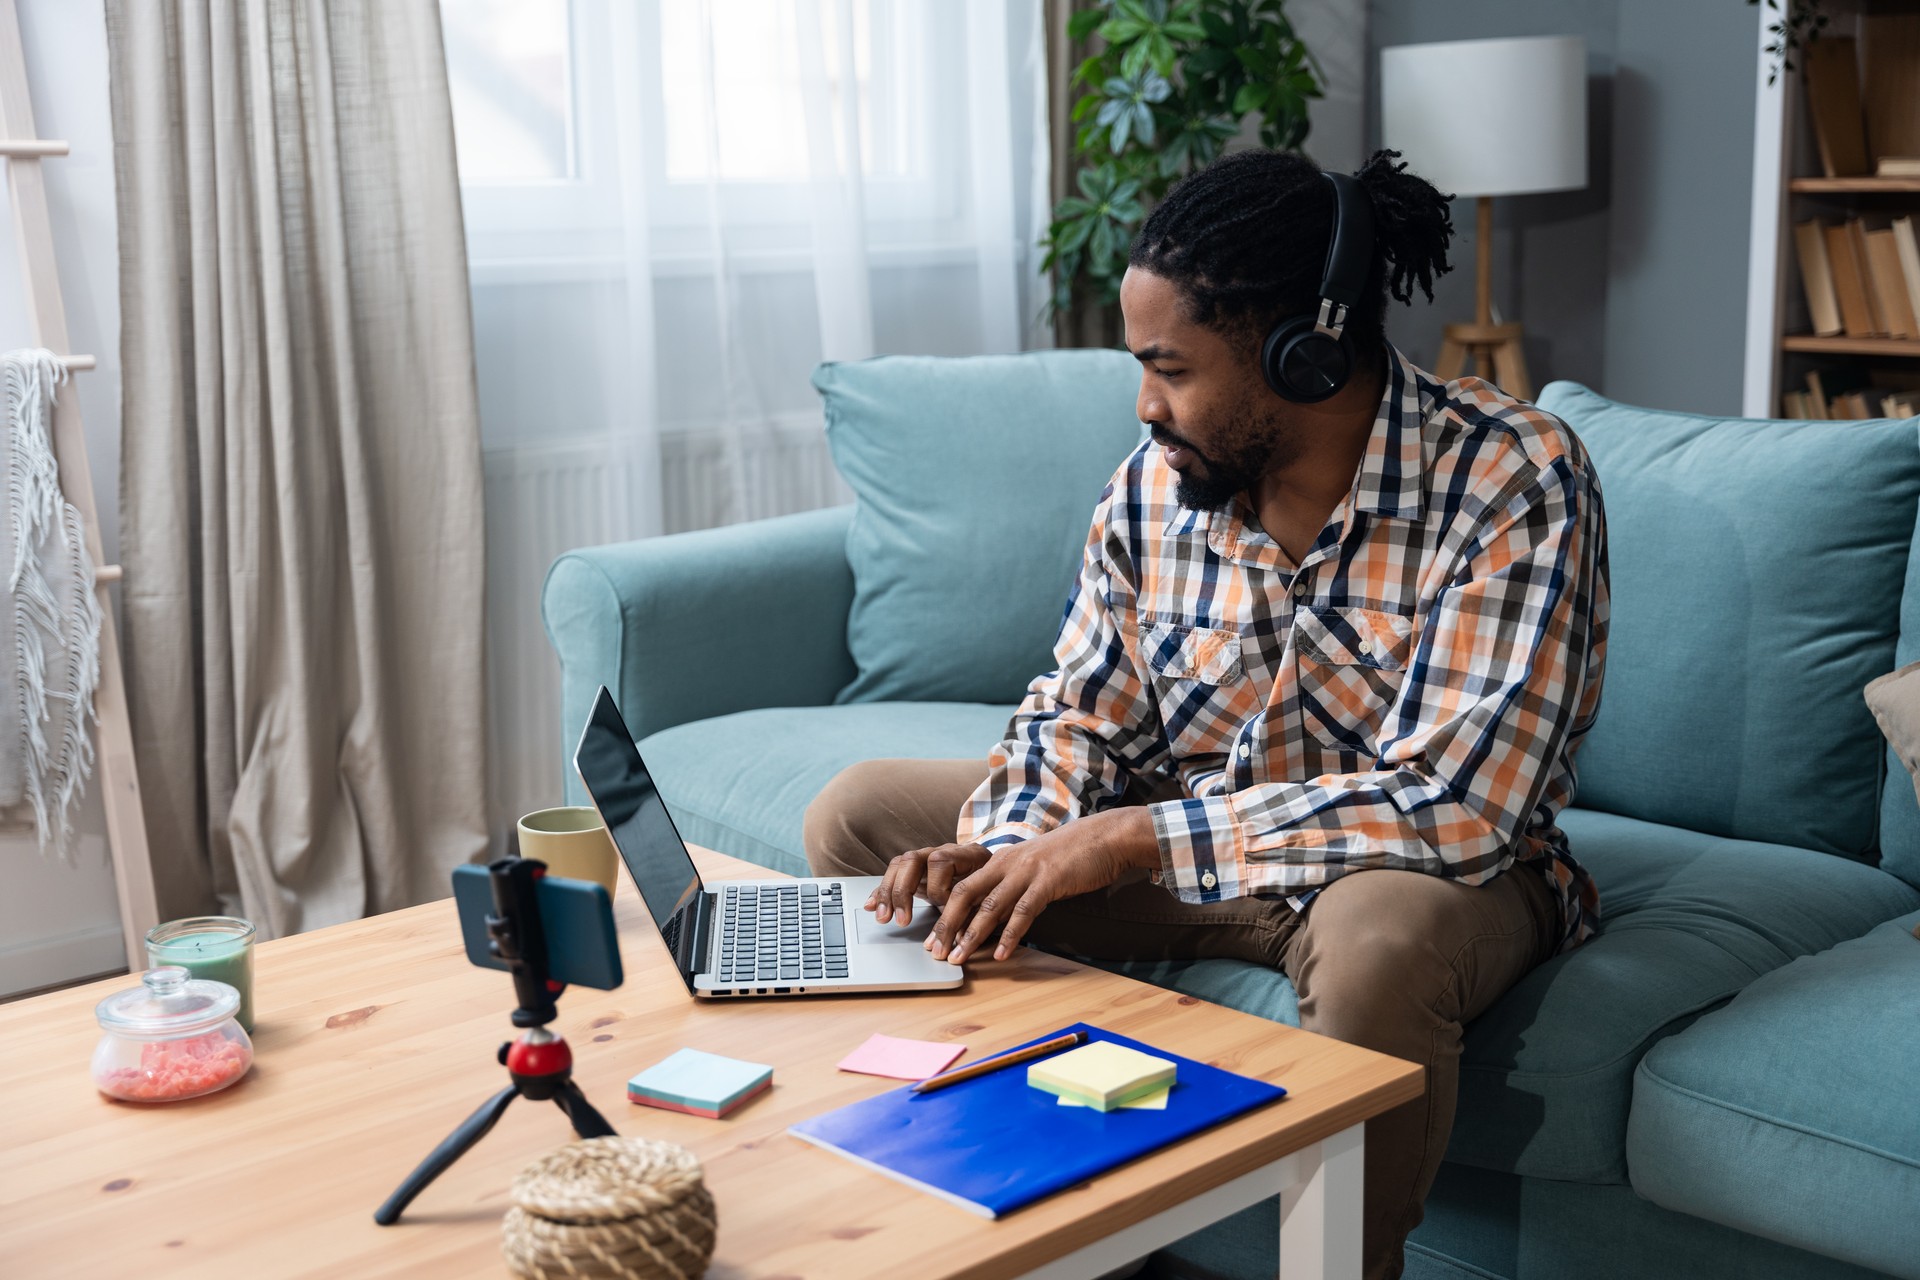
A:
{"x": 1012, "y": 1059}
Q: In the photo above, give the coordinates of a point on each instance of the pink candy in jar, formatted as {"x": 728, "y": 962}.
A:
{"x": 172, "y": 1037}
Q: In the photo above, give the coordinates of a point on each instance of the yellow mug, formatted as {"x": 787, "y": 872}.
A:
{"x": 572, "y": 841}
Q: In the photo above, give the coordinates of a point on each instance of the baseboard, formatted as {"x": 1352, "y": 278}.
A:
{"x": 49, "y": 962}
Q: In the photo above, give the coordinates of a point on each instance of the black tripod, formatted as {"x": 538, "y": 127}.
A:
{"x": 539, "y": 1062}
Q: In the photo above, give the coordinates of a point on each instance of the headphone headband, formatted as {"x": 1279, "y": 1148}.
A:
{"x": 1350, "y": 248}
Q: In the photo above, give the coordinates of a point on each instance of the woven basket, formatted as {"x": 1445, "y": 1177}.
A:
{"x": 610, "y": 1207}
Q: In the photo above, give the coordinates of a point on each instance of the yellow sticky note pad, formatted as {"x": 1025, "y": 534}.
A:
{"x": 1152, "y": 1102}
{"x": 1102, "y": 1075}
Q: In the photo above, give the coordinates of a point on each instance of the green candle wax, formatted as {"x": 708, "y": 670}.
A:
{"x": 215, "y": 956}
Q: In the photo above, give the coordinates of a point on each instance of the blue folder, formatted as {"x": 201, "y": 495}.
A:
{"x": 994, "y": 1144}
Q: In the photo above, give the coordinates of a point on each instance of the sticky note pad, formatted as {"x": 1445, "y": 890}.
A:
{"x": 901, "y": 1059}
{"x": 1102, "y": 1074}
{"x": 701, "y": 1084}
{"x": 1151, "y": 1102}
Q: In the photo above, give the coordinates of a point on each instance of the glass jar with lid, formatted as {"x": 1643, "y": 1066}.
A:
{"x": 172, "y": 1037}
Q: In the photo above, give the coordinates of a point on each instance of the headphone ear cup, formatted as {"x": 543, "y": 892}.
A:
{"x": 1273, "y": 354}
{"x": 1302, "y": 364}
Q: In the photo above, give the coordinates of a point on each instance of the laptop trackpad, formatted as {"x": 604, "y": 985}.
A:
{"x": 871, "y": 931}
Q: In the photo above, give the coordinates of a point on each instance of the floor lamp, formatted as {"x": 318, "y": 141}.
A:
{"x": 1488, "y": 118}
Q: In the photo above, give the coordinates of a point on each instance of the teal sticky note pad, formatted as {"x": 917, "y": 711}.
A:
{"x": 691, "y": 1078}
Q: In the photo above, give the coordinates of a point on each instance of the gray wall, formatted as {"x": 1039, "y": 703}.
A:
{"x": 1636, "y": 285}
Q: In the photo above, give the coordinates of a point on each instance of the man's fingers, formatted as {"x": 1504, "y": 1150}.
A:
{"x": 986, "y": 918}
{"x": 960, "y": 907}
{"x": 943, "y": 869}
{"x": 991, "y": 907}
{"x": 894, "y": 897}
{"x": 1020, "y": 919}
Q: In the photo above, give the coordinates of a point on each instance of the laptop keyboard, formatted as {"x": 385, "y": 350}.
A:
{"x": 782, "y": 933}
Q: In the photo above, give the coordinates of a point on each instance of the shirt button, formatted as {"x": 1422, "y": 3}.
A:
{"x": 1300, "y": 589}
{"x": 1207, "y": 881}
{"x": 1245, "y": 751}
{"x": 1366, "y": 647}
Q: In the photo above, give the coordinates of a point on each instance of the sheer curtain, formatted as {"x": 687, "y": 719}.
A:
{"x": 675, "y": 210}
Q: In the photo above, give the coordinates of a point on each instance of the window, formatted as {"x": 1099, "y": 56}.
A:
{"x": 510, "y": 73}
{"x": 560, "y": 107}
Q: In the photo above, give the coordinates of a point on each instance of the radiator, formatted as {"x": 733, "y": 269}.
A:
{"x": 548, "y": 499}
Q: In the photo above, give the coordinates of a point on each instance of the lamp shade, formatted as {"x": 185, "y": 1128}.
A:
{"x": 1488, "y": 117}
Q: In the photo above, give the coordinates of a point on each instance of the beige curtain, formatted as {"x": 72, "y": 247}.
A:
{"x": 301, "y": 492}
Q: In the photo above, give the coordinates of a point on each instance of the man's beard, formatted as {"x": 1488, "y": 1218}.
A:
{"x": 1251, "y": 446}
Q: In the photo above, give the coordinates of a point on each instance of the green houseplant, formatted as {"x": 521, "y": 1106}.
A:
{"x": 1171, "y": 82}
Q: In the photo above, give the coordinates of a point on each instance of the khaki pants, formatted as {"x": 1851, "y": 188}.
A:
{"x": 1395, "y": 961}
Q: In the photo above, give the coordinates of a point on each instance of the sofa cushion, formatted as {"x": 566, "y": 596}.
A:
{"x": 1791, "y": 1113}
{"x": 741, "y": 783}
{"x": 1686, "y": 921}
{"x": 1755, "y": 566}
{"x": 976, "y": 479}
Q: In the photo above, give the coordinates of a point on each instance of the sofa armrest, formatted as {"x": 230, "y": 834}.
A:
{"x": 692, "y": 625}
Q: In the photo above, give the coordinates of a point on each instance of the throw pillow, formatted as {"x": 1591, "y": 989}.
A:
{"x": 1757, "y": 570}
{"x": 976, "y": 480}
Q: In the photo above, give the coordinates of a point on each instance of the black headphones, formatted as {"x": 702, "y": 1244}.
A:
{"x": 1307, "y": 357}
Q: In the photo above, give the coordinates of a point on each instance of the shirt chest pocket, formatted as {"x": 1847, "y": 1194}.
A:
{"x": 1352, "y": 662}
{"x": 1200, "y": 684}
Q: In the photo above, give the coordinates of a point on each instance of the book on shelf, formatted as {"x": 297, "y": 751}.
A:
{"x": 1816, "y": 277}
{"x": 1907, "y": 247}
{"x": 1833, "y": 96}
{"x": 1888, "y": 285}
{"x": 1853, "y": 406}
{"x": 1848, "y": 393}
{"x": 1897, "y": 167}
{"x": 1849, "y": 280}
{"x": 1876, "y": 312}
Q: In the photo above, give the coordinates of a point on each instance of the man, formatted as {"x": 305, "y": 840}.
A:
{"x": 1322, "y": 677}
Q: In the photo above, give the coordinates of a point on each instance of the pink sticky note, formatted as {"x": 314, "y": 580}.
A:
{"x": 901, "y": 1059}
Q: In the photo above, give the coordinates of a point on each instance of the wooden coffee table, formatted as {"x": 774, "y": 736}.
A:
{"x": 375, "y": 1038}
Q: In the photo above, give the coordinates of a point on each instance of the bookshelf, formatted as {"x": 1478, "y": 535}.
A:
{"x": 1793, "y": 185}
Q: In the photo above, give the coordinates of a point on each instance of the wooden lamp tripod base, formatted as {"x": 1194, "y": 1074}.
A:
{"x": 1496, "y": 349}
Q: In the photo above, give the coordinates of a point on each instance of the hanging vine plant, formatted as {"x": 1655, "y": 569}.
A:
{"x": 1799, "y": 25}
{"x": 1173, "y": 84}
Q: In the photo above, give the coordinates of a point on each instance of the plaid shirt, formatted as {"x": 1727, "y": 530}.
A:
{"x": 1411, "y": 697}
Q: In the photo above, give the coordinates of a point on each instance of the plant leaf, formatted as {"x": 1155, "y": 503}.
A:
{"x": 1081, "y": 24}
{"x": 1143, "y": 123}
{"x": 1100, "y": 251}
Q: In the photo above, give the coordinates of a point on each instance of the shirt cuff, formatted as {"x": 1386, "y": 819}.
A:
{"x": 1201, "y": 859}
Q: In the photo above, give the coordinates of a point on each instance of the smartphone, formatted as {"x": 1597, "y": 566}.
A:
{"x": 576, "y": 915}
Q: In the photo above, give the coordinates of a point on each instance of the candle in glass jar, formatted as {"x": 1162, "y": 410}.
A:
{"x": 217, "y": 948}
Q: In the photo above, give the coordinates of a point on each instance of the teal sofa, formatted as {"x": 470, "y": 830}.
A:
{"x": 1725, "y": 1082}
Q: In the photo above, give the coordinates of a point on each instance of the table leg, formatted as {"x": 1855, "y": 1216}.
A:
{"x": 1320, "y": 1213}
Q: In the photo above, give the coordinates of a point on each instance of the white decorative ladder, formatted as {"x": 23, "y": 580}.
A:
{"x": 117, "y": 777}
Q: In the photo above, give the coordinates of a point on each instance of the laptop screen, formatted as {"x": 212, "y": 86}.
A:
{"x": 642, "y": 830}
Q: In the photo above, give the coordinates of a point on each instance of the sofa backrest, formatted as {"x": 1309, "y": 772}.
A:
{"x": 976, "y": 480}
{"x": 1757, "y": 570}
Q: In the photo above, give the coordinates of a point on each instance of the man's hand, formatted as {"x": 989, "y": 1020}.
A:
{"x": 938, "y": 869}
{"x": 1008, "y": 889}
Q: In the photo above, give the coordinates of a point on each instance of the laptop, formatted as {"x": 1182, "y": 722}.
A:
{"x": 745, "y": 937}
